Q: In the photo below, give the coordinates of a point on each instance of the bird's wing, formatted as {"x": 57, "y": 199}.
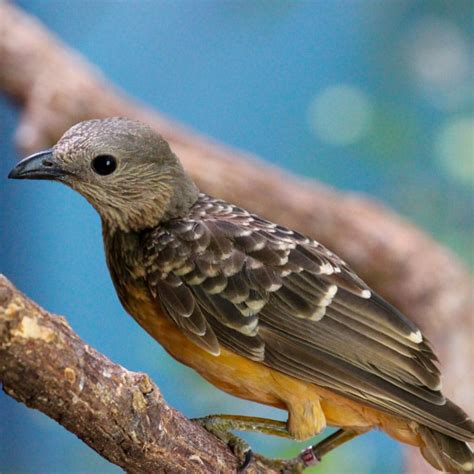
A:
{"x": 229, "y": 278}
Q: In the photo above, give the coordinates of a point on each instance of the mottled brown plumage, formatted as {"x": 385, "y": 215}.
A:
{"x": 259, "y": 310}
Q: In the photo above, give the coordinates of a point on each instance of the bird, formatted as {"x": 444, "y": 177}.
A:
{"x": 259, "y": 310}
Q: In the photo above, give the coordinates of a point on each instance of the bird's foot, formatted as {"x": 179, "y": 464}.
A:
{"x": 220, "y": 427}
{"x": 284, "y": 466}
{"x": 307, "y": 458}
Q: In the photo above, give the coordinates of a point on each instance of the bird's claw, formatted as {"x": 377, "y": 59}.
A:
{"x": 284, "y": 466}
{"x": 241, "y": 450}
{"x": 248, "y": 456}
{"x": 238, "y": 446}
{"x": 220, "y": 427}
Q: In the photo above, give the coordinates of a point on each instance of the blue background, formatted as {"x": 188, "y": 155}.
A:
{"x": 363, "y": 95}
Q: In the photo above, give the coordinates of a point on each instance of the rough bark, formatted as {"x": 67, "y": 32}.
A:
{"x": 120, "y": 414}
{"x": 56, "y": 88}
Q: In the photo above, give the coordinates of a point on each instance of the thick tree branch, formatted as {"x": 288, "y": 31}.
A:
{"x": 57, "y": 88}
{"x": 120, "y": 414}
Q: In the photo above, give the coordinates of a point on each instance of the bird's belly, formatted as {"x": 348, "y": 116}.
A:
{"x": 228, "y": 371}
{"x": 310, "y": 407}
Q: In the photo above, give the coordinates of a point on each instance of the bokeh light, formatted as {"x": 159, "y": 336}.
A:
{"x": 341, "y": 114}
{"x": 438, "y": 56}
{"x": 455, "y": 149}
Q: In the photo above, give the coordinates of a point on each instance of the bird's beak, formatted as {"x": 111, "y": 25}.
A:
{"x": 38, "y": 166}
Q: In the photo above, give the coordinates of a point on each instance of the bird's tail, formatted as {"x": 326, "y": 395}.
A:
{"x": 446, "y": 453}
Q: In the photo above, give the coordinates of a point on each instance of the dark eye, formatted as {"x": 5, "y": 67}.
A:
{"x": 104, "y": 164}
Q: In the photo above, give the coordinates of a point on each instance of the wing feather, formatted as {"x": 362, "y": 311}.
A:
{"x": 229, "y": 278}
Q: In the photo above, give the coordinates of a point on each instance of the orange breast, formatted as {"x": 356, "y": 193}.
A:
{"x": 309, "y": 407}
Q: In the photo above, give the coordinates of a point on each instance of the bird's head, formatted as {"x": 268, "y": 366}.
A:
{"x": 124, "y": 168}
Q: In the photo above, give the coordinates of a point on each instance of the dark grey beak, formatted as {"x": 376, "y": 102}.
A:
{"x": 37, "y": 166}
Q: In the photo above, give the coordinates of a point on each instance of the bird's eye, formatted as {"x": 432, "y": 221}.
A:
{"x": 104, "y": 164}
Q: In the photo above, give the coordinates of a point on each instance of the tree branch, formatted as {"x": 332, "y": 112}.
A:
{"x": 120, "y": 414}
{"x": 57, "y": 88}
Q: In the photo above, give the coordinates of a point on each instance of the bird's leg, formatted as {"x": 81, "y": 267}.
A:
{"x": 245, "y": 423}
{"x": 313, "y": 454}
{"x": 221, "y": 426}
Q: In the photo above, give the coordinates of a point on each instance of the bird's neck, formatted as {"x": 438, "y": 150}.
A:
{"x": 158, "y": 204}
{"x": 121, "y": 248}
{"x": 181, "y": 199}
